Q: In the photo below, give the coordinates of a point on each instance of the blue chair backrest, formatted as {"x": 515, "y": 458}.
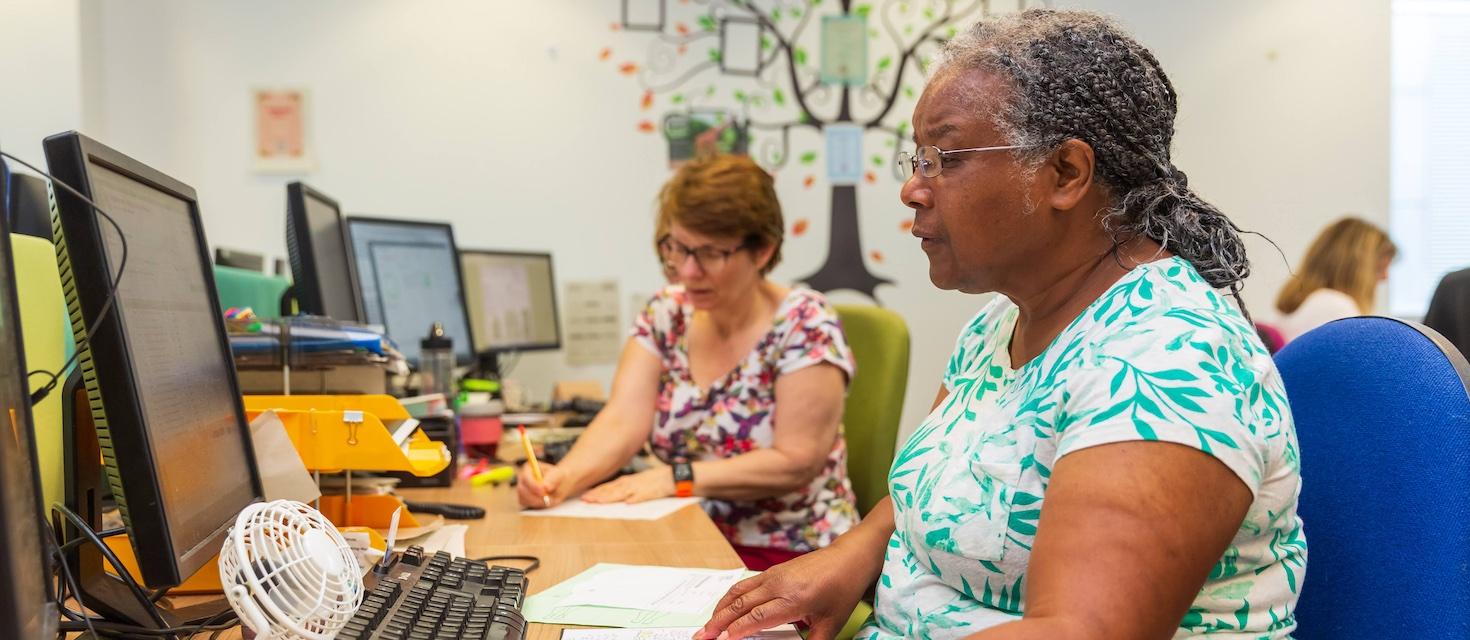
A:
{"x": 1383, "y": 416}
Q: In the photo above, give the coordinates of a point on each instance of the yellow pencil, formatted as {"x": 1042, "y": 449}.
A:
{"x": 531, "y": 460}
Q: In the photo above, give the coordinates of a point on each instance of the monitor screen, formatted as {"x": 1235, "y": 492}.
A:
{"x": 321, "y": 264}
{"x": 25, "y": 574}
{"x": 512, "y": 300}
{"x": 409, "y": 274}
{"x": 163, "y": 394}
{"x": 184, "y": 377}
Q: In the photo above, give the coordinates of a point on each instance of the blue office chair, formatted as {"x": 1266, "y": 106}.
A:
{"x": 1382, "y": 412}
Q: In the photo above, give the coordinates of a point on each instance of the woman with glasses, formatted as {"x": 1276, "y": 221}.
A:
{"x": 736, "y": 382}
{"x": 1110, "y": 454}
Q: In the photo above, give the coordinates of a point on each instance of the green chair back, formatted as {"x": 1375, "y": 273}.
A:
{"x": 880, "y": 343}
{"x": 246, "y": 288}
{"x": 48, "y": 345}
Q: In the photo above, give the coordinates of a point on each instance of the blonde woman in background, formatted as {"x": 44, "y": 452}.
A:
{"x": 1338, "y": 278}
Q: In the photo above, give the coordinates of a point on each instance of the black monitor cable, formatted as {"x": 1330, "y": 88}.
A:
{"x": 55, "y": 378}
{"x": 122, "y": 572}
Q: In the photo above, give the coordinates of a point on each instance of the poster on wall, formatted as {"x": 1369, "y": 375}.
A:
{"x": 594, "y": 334}
{"x": 281, "y": 141}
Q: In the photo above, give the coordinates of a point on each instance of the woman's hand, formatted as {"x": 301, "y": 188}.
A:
{"x": 654, "y": 483}
{"x": 553, "y": 482}
{"x": 819, "y": 589}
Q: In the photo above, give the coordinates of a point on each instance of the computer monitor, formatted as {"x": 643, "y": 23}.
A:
{"x": 27, "y": 609}
{"x": 409, "y": 276}
{"x": 161, "y": 383}
{"x": 237, "y": 259}
{"x": 323, "y": 273}
{"x": 512, "y": 300}
{"x": 26, "y": 201}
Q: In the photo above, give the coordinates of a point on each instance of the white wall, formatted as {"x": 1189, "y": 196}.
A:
{"x": 40, "y": 47}
{"x": 500, "y": 118}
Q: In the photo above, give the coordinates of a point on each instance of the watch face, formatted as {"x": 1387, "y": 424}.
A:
{"x": 683, "y": 472}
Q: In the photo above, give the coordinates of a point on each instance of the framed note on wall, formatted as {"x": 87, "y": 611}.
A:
{"x": 281, "y": 142}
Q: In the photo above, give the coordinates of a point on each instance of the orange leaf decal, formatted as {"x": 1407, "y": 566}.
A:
{"x": 683, "y": 49}
{"x": 809, "y": 181}
{"x": 647, "y": 127}
{"x": 647, "y": 100}
{"x": 877, "y": 256}
{"x": 799, "y": 227}
{"x": 906, "y": 226}
{"x": 628, "y": 68}
{"x": 615, "y": 26}
{"x": 682, "y": 28}
{"x": 872, "y": 178}
{"x": 604, "y": 54}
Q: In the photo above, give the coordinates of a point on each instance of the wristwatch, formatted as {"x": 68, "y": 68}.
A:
{"x": 683, "y": 478}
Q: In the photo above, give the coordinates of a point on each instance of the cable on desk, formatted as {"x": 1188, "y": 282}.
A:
{"x": 117, "y": 565}
{"x": 535, "y": 561}
{"x": 55, "y": 378}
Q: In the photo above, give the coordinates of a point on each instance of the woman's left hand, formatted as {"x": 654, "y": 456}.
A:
{"x": 654, "y": 483}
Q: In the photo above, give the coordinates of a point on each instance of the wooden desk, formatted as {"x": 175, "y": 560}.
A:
{"x": 568, "y": 546}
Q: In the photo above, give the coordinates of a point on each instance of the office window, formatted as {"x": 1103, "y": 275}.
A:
{"x": 1430, "y": 136}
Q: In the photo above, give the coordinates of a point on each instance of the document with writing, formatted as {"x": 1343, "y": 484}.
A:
{"x": 783, "y": 632}
{"x": 649, "y": 510}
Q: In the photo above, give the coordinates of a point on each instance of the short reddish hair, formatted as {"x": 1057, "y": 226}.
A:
{"x": 726, "y": 196}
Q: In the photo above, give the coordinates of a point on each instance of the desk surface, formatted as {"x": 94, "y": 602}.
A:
{"x": 567, "y": 546}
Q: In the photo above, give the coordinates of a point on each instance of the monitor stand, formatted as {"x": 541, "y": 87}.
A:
{"x": 101, "y": 592}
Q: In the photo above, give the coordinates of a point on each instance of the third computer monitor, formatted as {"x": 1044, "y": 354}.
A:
{"x": 322, "y": 270}
{"x": 512, "y": 300}
{"x": 408, "y": 272}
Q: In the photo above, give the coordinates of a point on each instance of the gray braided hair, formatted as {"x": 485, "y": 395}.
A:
{"x": 1076, "y": 74}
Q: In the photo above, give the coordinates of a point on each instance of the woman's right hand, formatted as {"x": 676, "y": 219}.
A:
{"x": 817, "y": 589}
{"x": 529, "y": 491}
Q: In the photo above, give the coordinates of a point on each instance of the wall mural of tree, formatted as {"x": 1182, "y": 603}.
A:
{"x": 835, "y": 67}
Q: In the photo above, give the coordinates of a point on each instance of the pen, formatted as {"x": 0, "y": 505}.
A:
{"x": 531, "y": 460}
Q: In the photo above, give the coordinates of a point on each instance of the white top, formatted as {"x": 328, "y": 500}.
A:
{"x": 1161, "y": 356}
{"x": 1321, "y": 307}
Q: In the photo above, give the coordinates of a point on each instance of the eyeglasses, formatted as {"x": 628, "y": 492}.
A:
{"x": 710, "y": 259}
{"x": 929, "y": 161}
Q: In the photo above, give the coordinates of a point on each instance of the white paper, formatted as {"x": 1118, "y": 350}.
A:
{"x": 282, "y": 474}
{"x": 783, "y": 632}
{"x": 650, "y": 510}
{"x": 594, "y": 332}
{"x": 448, "y": 538}
{"x": 668, "y": 589}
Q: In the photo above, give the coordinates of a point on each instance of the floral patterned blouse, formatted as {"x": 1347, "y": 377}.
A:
{"x": 1160, "y": 357}
{"x": 737, "y": 413}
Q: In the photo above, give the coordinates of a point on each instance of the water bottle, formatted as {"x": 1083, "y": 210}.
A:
{"x": 436, "y": 362}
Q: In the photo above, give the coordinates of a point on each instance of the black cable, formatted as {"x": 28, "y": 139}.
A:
{"x": 40, "y": 394}
{"x": 67, "y": 580}
{"x": 117, "y": 565}
{"x": 100, "y": 534}
{"x": 535, "y": 561}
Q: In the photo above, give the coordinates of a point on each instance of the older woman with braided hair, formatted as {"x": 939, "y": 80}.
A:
{"x": 1111, "y": 454}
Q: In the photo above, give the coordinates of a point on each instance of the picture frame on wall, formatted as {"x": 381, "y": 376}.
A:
{"x": 282, "y": 141}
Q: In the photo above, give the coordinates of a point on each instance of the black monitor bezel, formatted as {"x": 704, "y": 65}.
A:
{"x": 305, "y": 267}
{"x": 555, "y": 310}
{"x": 458, "y": 275}
{"x": 24, "y": 420}
{"x": 67, "y": 155}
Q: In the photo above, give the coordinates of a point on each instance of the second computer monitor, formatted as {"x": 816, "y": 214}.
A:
{"x": 512, "y": 300}
{"x": 322, "y": 270}
{"x": 408, "y": 273}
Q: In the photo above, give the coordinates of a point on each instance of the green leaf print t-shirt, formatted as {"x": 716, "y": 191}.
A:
{"x": 1160, "y": 356}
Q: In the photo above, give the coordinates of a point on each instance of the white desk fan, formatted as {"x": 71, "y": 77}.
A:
{"x": 288, "y": 573}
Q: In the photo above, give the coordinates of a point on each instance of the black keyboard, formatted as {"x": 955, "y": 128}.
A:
{"x": 439, "y": 597}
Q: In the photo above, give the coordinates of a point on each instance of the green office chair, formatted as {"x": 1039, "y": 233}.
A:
{"x": 245, "y": 288}
{"x": 880, "y": 343}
